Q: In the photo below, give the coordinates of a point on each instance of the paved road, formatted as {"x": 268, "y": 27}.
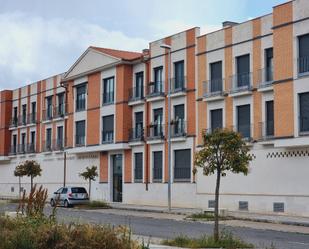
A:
{"x": 169, "y": 228}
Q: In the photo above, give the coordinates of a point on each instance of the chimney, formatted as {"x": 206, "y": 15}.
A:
{"x": 229, "y": 24}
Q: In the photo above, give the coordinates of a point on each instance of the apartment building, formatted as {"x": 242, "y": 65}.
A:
{"x": 110, "y": 110}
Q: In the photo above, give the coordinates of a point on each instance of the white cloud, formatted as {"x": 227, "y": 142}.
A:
{"x": 32, "y": 48}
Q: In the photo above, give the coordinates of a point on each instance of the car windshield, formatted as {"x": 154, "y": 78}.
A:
{"x": 79, "y": 190}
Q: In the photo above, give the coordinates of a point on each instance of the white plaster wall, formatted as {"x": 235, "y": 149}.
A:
{"x": 242, "y": 32}
{"x": 155, "y": 49}
{"x": 179, "y": 41}
{"x": 300, "y": 9}
{"x": 34, "y": 88}
{"x": 215, "y": 40}
{"x": 15, "y": 94}
{"x": 266, "y": 24}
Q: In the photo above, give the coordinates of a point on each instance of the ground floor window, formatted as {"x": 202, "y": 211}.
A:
{"x": 157, "y": 166}
{"x": 138, "y": 169}
{"x": 182, "y": 167}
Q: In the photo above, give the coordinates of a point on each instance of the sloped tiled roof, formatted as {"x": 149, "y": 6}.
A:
{"x": 124, "y": 55}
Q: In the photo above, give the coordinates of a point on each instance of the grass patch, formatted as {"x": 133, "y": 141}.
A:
{"x": 42, "y": 233}
{"x": 207, "y": 216}
{"x": 94, "y": 205}
{"x": 226, "y": 240}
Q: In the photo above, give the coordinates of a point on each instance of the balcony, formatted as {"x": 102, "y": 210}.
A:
{"x": 266, "y": 130}
{"x": 31, "y": 118}
{"x": 60, "y": 111}
{"x": 80, "y": 140}
{"x": 240, "y": 84}
{"x": 178, "y": 129}
{"x": 22, "y": 120}
{"x": 155, "y": 91}
{"x": 47, "y": 115}
{"x": 107, "y": 137}
{"x": 213, "y": 89}
{"x": 21, "y": 149}
{"x": 58, "y": 145}
{"x": 136, "y": 135}
{"x": 13, "y": 150}
{"x": 178, "y": 86}
{"x": 265, "y": 79}
{"x": 14, "y": 122}
{"x": 182, "y": 174}
{"x": 108, "y": 98}
{"x": 304, "y": 125}
{"x": 157, "y": 174}
{"x": 303, "y": 65}
{"x": 155, "y": 133}
{"x": 47, "y": 146}
{"x": 30, "y": 148}
{"x": 136, "y": 95}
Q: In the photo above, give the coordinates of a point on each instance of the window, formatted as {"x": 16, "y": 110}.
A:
{"x": 269, "y": 118}
{"x": 24, "y": 114}
{"x": 32, "y": 142}
{"x": 179, "y": 75}
{"x": 14, "y": 149}
{"x": 157, "y": 165}
{"x": 243, "y": 120}
{"x": 81, "y": 98}
{"x": 182, "y": 170}
{"x": 15, "y": 118}
{"x": 178, "y": 126}
{"x": 80, "y": 133}
{"x": 303, "y": 56}
{"x": 48, "y": 139}
{"x": 108, "y": 129}
{"x": 304, "y": 112}
{"x": 60, "y": 107}
{"x": 243, "y": 70}
{"x": 216, "y": 119}
{"x": 139, "y": 85}
{"x": 269, "y": 64}
{"x": 158, "y": 81}
{"x": 158, "y": 120}
{"x": 60, "y": 137}
{"x": 33, "y": 112}
{"x": 216, "y": 77}
{"x": 138, "y": 170}
{"x": 139, "y": 125}
{"x": 49, "y": 108}
{"x": 108, "y": 90}
{"x": 23, "y": 142}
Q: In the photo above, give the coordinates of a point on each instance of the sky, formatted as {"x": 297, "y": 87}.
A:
{"x": 43, "y": 38}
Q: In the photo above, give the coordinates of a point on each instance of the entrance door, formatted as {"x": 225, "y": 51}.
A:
{"x": 117, "y": 178}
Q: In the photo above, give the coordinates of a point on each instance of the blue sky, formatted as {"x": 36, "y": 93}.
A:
{"x": 42, "y": 38}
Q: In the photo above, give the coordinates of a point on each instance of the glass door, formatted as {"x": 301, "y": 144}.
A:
{"x": 117, "y": 178}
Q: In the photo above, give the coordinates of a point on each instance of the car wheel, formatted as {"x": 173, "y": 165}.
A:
{"x": 66, "y": 204}
{"x": 52, "y": 203}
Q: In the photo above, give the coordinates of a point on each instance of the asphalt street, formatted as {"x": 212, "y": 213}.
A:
{"x": 169, "y": 228}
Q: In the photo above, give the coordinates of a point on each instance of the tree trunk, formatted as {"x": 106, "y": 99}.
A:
{"x": 19, "y": 183}
{"x": 216, "y": 227}
{"x": 89, "y": 188}
{"x": 31, "y": 182}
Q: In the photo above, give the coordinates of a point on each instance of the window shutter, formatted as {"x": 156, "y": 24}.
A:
{"x": 108, "y": 123}
{"x": 304, "y": 111}
{"x": 216, "y": 119}
{"x": 179, "y": 111}
{"x": 243, "y": 118}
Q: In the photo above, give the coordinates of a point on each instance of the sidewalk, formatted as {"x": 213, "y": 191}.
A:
{"x": 246, "y": 216}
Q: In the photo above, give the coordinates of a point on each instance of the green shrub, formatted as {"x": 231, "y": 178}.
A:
{"x": 33, "y": 233}
{"x": 226, "y": 240}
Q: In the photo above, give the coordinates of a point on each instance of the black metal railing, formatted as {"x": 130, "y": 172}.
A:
{"x": 31, "y": 119}
{"x": 157, "y": 173}
{"x": 47, "y": 114}
{"x": 265, "y": 77}
{"x": 47, "y": 146}
{"x": 13, "y": 149}
{"x": 155, "y": 131}
{"x": 21, "y": 148}
{"x": 136, "y": 134}
{"x": 60, "y": 111}
{"x": 182, "y": 173}
{"x": 178, "y": 128}
{"x": 136, "y": 93}
{"x": 14, "y": 122}
{"x": 108, "y": 97}
{"x": 304, "y": 124}
{"x": 303, "y": 64}
{"x": 107, "y": 137}
{"x": 80, "y": 140}
{"x": 30, "y": 148}
{"x": 178, "y": 84}
{"x": 266, "y": 130}
{"x": 213, "y": 88}
{"x": 155, "y": 89}
{"x": 22, "y": 120}
{"x": 241, "y": 82}
{"x": 211, "y": 130}
{"x": 58, "y": 144}
{"x": 138, "y": 174}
